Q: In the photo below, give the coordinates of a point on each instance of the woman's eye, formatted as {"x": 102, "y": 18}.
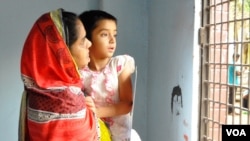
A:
{"x": 82, "y": 41}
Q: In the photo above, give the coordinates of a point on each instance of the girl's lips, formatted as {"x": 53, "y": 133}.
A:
{"x": 111, "y": 49}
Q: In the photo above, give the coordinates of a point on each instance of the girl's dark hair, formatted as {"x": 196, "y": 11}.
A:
{"x": 69, "y": 20}
{"x": 91, "y": 18}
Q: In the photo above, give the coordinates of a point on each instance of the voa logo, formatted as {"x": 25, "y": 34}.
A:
{"x": 236, "y": 132}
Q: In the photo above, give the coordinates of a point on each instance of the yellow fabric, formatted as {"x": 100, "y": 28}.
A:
{"x": 105, "y": 133}
{"x": 22, "y": 115}
{"x": 56, "y": 16}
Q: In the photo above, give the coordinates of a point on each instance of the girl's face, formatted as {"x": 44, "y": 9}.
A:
{"x": 80, "y": 49}
{"x": 104, "y": 39}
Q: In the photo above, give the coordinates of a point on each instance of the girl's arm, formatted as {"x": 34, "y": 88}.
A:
{"x": 125, "y": 94}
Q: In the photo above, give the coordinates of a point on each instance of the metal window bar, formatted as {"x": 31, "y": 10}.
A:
{"x": 225, "y": 23}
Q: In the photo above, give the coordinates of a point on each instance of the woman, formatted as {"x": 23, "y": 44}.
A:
{"x": 53, "y": 105}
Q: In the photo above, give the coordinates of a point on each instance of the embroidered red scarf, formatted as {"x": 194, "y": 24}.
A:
{"x": 54, "y": 109}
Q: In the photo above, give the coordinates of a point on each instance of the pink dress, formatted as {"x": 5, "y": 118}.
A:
{"x": 103, "y": 87}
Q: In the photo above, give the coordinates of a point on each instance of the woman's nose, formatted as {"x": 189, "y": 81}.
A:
{"x": 89, "y": 43}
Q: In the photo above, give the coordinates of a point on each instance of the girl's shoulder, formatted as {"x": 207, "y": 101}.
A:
{"x": 120, "y": 62}
{"x": 122, "y": 58}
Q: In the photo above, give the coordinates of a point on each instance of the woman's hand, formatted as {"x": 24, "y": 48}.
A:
{"x": 90, "y": 103}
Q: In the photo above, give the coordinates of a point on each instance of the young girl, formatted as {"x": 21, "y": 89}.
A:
{"x": 107, "y": 79}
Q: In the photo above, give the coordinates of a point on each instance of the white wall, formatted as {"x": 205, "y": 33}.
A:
{"x": 172, "y": 49}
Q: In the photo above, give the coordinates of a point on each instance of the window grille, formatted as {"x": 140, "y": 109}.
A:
{"x": 224, "y": 32}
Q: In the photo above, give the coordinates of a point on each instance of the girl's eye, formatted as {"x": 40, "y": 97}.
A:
{"x": 104, "y": 34}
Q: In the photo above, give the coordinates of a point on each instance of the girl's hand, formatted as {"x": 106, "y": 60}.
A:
{"x": 90, "y": 103}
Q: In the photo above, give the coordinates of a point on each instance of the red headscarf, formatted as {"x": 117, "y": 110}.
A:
{"x": 56, "y": 109}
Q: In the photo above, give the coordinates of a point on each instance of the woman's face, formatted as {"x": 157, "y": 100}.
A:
{"x": 80, "y": 49}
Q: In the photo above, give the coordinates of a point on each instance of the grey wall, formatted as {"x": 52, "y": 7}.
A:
{"x": 162, "y": 37}
{"x": 172, "y": 61}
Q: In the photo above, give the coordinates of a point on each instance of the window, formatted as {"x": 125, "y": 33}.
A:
{"x": 224, "y": 36}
